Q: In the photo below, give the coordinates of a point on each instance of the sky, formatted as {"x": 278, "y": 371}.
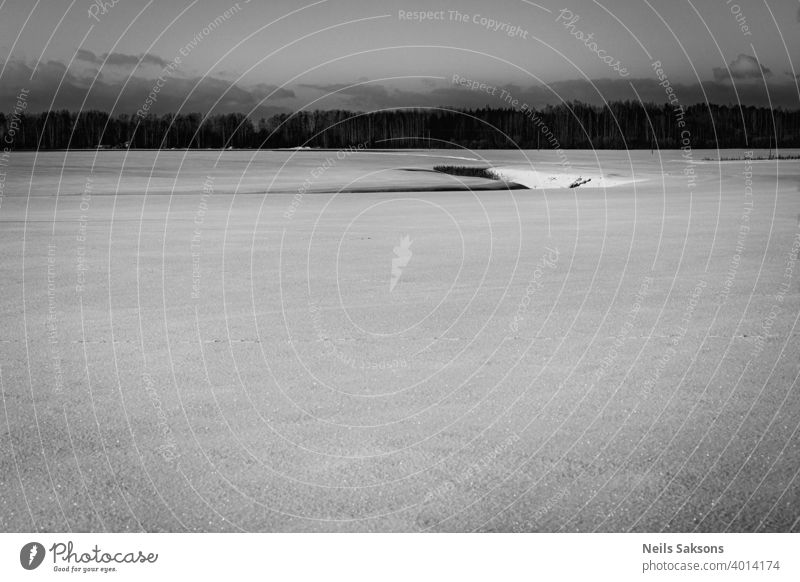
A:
{"x": 266, "y": 57}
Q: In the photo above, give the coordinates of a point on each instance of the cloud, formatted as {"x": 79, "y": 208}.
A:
{"x": 264, "y": 91}
{"x": 360, "y": 87}
{"x": 357, "y": 96}
{"x": 219, "y": 95}
{"x": 120, "y": 59}
{"x": 88, "y": 56}
{"x": 742, "y": 67}
{"x": 596, "y": 92}
{"x": 203, "y": 95}
{"x": 123, "y": 60}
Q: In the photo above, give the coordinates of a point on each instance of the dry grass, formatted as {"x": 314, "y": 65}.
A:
{"x": 471, "y": 171}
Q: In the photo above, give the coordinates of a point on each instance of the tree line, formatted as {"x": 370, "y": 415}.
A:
{"x": 619, "y": 125}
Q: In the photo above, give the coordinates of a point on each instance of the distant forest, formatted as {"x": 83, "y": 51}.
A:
{"x": 622, "y": 125}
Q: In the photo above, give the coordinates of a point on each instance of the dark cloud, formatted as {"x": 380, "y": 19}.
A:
{"x": 360, "y": 95}
{"x": 741, "y": 68}
{"x": 366, "y": 96}
{"x": 53, "y": 87}
{"x": 264, "y": 91}
{"x": 123, "y": 60}
{"x": 595, "y": 92}
{"x": 88, "y": 56}
{"x": 361, "y": 87}
{"x": 120, "y": 59}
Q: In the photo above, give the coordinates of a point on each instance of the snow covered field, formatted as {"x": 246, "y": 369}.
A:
{"x": 327, "y": 341}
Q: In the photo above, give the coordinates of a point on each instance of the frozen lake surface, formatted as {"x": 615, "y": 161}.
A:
{"x": 346, "y": 341}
